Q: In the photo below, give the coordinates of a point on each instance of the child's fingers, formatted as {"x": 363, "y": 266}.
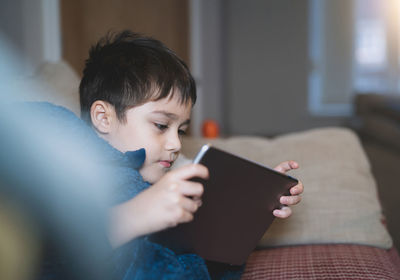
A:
{"x": 198, "y": 201}
{"x": 189, "y": 204}
{"x": 284, "y": 212}
{"x": 190, "y": 171}
{"x": 298, "y": 189}
{"x": 290, "y": 200}
{"x": 186, "y": 217}
{"x": 189, "y": 188}
{"x": 286, "y": 166}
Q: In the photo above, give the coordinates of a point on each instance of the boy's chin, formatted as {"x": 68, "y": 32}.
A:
{"x": 152, "y": 176}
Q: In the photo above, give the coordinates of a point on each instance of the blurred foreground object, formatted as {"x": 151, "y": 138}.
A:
{"x": 56, "y": 193}
{"x": 19, "y": 243}
{"x": 53, "y": 192}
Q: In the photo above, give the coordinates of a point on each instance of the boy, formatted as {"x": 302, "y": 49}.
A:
{"x": 138, "y": 95}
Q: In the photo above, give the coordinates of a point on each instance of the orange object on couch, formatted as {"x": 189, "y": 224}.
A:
{"x": 210, "y": 129}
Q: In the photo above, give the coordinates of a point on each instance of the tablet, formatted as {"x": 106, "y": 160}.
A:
{"x": 238, "y": 200}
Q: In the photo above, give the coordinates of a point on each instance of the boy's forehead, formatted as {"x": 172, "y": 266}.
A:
{"x": 174, "y": 94}
{"x": 166, "y": 113}
{"x": 170, "y": 107}
{"x": 173, "y": 102}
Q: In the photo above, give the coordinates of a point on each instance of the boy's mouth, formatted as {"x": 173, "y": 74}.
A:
{"x": 166, "y": 163}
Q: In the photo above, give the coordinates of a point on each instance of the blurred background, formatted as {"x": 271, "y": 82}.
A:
{"x": 263, "y": 67}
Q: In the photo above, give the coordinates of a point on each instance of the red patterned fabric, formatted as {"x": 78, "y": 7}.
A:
{"x": 323, "y": 262}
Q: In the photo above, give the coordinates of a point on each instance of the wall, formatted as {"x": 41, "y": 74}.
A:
{"x": 253, "y": 54}
{"x": 207, "y": 60}
{"x": 267, "y": 66}
{"x": 85, "y": 21}
{"x": 32, "y": 28}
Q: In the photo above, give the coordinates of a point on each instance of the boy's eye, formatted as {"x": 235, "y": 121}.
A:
{"x": 161, "y": 127}
{"x": 181, "y": 132}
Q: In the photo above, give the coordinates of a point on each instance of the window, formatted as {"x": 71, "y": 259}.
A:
{"x": 372, "y": 62}
{"x": 354, "y": 48}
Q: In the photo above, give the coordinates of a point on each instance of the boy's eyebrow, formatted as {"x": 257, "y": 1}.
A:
{"x": 170, "y": 115}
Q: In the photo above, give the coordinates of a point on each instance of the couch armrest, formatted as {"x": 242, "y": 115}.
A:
{"x": 378, "y": 104}
{"x": 378, "y": 118}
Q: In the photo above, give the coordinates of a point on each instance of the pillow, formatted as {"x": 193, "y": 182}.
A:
{"x": 340, "y": 202}
{"x": 56, "y": 83}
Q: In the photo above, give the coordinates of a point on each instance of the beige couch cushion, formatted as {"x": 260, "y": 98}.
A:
{"x": 340, "y": 203}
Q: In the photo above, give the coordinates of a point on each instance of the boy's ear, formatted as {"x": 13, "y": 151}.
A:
{"x": 102, "y": 115}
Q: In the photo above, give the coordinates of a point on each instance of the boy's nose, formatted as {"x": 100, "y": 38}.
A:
{"x": 173, "y": 143}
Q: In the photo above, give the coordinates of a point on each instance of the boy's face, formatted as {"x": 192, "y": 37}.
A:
{"x": 156, "y": 126}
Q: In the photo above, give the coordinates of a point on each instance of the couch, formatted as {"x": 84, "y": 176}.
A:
{"x": 377, "y": 122}
{"x": 336, "y": 232}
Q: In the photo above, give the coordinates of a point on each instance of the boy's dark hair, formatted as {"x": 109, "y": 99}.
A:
{"x": 127, "y": 69}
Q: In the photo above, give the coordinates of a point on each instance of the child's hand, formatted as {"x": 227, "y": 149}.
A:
{"x": 295, "y": 191}
{"x": 170, "y": 201}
